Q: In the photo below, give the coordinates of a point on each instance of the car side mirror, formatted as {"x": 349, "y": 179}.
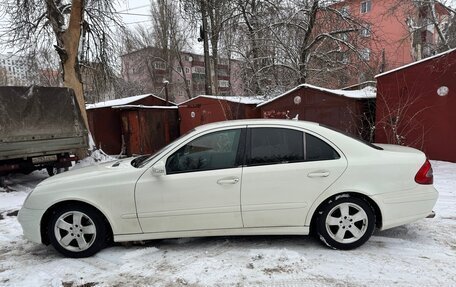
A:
{"x": 159, "y": 168}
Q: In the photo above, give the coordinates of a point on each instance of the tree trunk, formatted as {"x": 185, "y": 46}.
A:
{"x": 69, "y": 58}
{"x": 207, "y": 60}
{"x": 304, "y": 53}
{"x": 214, "y": 17}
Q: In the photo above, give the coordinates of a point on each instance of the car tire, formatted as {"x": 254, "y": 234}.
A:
{"x": 345, "y": 222}
{"x": 77, "y": 231}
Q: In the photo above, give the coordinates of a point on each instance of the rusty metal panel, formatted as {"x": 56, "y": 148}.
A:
{"x": 340, "y": 112}
{"x": 131, "y": 131}
{"x": 150, "y": 101}
{"x": 427, "y": 119}
{"x": 200, "y": 111}
{"x": 147, "y": 130}
{"x": 105, "y": 126}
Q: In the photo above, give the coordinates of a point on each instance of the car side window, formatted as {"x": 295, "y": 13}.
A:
{"x": 216, "y": 150}
{"x": 317, "y": 149}
{"x": 275, "y": 145}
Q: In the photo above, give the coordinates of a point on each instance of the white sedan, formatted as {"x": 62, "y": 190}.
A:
{"x": 248, "y": 177}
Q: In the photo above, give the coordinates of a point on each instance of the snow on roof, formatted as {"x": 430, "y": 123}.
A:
{"x": 143, "y": 107}
{"x": 234, "y": 99}
{"x": 366, "y": 93}
{"x": 119, "y": 102}
{"x": 415, "y": 63}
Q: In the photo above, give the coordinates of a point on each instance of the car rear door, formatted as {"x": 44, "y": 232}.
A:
{"x": 286, "y": 169}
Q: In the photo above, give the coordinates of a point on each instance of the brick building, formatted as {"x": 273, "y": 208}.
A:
{"x": 397, "y": 32}
{"x": 148, "y": 68}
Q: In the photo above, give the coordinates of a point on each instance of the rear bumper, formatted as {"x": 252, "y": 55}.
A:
{"x": 406, "y": 206}
{"x": 30, "y": 221}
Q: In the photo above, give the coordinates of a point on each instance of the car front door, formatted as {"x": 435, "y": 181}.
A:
{"x": 286, "y": 169}
{"x": 201, "y": 187}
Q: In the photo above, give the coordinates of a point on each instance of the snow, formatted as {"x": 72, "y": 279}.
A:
{"x": 119, "y": 102}
{"x": 365, "y": 93}
{"x": 417, "y": 254}
{"x": 234, "y": 99}
{"x": 145, "y": 107}
{"x": 415, "y": 63}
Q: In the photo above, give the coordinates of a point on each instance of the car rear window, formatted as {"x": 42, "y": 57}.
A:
{"x": 353, "y": 137}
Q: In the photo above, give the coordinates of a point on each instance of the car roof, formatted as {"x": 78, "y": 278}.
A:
{"x": 283, "y": 122}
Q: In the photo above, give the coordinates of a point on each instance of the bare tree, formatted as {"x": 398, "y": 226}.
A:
{"x": 398, "y": 120}
{"x": 294, "y": 42}
{"x": 430, "y": 24}
{"x": 171, "y": 36}
{"x": 43, "y": 68}
{"x": 220, "y": 12}
{"x": 77, "y": 29}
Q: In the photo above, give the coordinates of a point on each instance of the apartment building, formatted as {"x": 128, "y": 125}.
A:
{"x": 13, "y": 70}
{"x": 148, "y": 68}
{"x": 398, "y": 32}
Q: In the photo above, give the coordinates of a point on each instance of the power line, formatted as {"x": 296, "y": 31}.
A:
{"x": 137, "y": 22}
{"x": 134, "y": 8}
{"x": 134, "y": 14}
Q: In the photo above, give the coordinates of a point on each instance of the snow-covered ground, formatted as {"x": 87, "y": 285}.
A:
{"x": 418, "y": 254}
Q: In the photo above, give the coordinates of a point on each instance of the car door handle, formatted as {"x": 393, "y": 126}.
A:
{"x": 228, "y": 180}
{"x": 324, "y": 173}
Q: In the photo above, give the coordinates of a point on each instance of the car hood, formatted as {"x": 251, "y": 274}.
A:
{"x": 97, "y": 171}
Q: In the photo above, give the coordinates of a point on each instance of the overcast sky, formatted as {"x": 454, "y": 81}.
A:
{"x": 139, "y": 8}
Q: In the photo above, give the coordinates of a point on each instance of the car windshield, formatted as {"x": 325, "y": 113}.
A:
{"x": 143, "y": 160}
{"x": 353, "y": 137}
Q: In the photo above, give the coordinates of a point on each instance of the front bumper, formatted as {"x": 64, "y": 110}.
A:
{"x": 30, "y": 221}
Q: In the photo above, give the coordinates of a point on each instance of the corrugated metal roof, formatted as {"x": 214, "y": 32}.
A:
{"x": 366, "y": 93}
{"x": 234, "y": 99}
{"x": 119, "y": 102}
{"x": 145, "y": 107}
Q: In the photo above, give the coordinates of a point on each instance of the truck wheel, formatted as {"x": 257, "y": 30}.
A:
{"x": 51, "y": 170}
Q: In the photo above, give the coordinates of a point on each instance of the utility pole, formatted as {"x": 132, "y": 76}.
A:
{"x": 207, "y": 60}
{"x": 166, "y": 82}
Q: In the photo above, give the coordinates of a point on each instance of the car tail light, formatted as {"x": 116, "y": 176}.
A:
{"x": 425, "y": 174}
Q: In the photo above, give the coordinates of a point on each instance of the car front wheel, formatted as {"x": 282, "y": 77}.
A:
{"x": 77, "y": 231}
{"x": 345, "y": 222}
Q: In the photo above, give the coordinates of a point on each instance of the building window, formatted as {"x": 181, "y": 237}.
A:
{"x": 343, "y": 37}
{"x": 345, "y": 59}
{"x": 188, "y": 82}
{"x": 366, "y": 6}
{"x": 198, "y": 70}
{"x": 366, "y": 31}
{"x": 345, "y": 11}
{"x": 160, "y": 65}
{"x": 223, "y": 83}
{"x": 365, "y": 54}
{"x": 187, "y": 70}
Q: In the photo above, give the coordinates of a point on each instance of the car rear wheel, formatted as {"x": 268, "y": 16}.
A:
{"x": 345, "y": 222}
{"x": 77, "y": 231}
